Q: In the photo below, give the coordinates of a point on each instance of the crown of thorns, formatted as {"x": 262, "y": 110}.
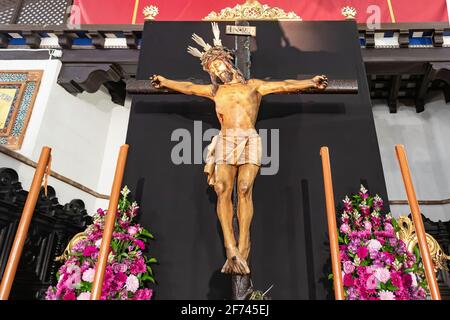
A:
{"x": 210, "y": 53}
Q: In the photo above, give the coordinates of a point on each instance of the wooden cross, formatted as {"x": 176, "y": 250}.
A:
{"x": 241, "y": 284}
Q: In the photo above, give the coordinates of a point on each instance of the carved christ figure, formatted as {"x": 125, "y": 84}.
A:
{"x": 235, "y": 153}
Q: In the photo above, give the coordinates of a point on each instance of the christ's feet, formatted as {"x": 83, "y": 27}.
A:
{"x": 235, "y": 264}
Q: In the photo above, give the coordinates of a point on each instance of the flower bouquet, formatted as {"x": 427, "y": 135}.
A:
{"x": 376, "y": 265}
{"x": 128, "y": 269}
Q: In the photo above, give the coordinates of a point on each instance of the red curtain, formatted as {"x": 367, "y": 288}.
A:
{"x": 122, "y": 11}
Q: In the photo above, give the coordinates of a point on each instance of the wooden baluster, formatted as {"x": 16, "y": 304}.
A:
{"x": 332, "y": 225}
{"x": 110, "y": 220}
{"x": 418, "y": 223}
{"x": 24, "y": 224}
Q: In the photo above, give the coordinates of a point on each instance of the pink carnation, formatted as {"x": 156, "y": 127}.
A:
{"x": 348, "y": 267}
{"x": 396, "y": 279}
{"x": 345, "y": 228}
{"x": 371, "y": 282}
{"x": 362, "y": 252}
{"x": 138, "y": 266}
{"x": 388, "y": 257}
{"x": 143, "y": 294}
{"x": 73, "y": 280}
{"x": 119, "y": 267}
{"x": 88, "y": 251}
{"x": 121, "y": 278}
{"x": 407, "y": 280}
{"x": 133, "y": 230}
{"x": 139, "y": 243}
{"x": 389, "y": 228}
{"x": 382, "y": 275}
{"x": 69, "y": 295}
{"x": 348, "y": 280}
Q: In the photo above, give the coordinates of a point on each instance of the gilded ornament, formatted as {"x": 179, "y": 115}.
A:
{"x": 150, "y": 12}
{"x": 251, "y": 10}
{"x": 78, "y": 237}
{"x": 349, "y": 12}
{"x": 407, "y": 233}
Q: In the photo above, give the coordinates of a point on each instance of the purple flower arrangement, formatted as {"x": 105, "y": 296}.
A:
{"x": 375, "y": 264}
{"x": 128, "y": 269}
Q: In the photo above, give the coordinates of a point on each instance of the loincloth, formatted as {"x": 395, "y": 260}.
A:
{"x": 234, "y": 147}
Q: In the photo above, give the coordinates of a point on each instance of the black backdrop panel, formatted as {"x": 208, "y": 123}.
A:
{"x": 289, "y": 232}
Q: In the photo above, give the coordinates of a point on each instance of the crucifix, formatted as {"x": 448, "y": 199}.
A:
{"x": 234, "y": 155}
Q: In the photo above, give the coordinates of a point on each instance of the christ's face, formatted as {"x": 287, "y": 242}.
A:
{"x": 220, "y": 70}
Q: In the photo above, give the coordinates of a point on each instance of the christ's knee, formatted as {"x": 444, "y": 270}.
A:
{"x": 223, "y": 190}
{"x": 244, "y": 189}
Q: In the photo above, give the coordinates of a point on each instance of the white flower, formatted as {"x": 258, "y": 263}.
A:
{"x": 84, "y": 296}
{"x": 386, "y": 295}
{"x": 382, "y": 274}
{"x": 88, "y": 275}
{"x": 397, "y": 264}
{"x": 125, "y": 191}
{"x": 414, "y": 279}
{"x": 362, "y": 189}
{"x": 98, "y": 243}
{"x": 72, "y": 268}
{"x": 132, "y": 283}
{"x": 374, "y": 245}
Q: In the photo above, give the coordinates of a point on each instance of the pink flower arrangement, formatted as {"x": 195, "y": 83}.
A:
{"x": 375, "y": 263}
{"x": 128, "y": 269}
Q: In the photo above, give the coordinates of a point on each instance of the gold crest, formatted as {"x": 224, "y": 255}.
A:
{"x": 251, "y": 10}
{"x": 150, "y": 12}
{"x": 349, "y": 12}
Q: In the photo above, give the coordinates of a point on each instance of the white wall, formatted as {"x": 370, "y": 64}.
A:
{"x": 84, "y": 132}
{"x": 118, "y": 125}
{"x": 426, "y": 139}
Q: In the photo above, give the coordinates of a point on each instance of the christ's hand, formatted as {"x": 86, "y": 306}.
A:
{"x": 320, "y": 82}
{"x": 157, "y": 81}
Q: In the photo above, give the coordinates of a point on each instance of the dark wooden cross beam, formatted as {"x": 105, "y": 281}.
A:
{"x": 334, "y": 87}
{"x": 242, "y": 51}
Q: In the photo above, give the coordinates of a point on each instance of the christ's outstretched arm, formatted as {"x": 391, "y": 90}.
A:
{"x": 182, "y": 86}
{"x": 289, "y": 86}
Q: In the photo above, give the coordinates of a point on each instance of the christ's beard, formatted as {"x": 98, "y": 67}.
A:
{"x": 226, "y": 76}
